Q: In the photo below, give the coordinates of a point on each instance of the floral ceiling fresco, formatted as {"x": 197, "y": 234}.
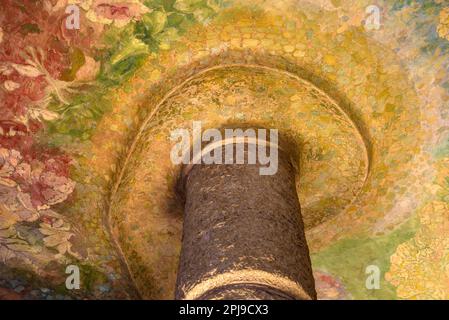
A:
{"x": 86, "y": 107}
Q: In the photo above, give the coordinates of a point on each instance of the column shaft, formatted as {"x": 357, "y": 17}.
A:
{"x": 243, "y": 236}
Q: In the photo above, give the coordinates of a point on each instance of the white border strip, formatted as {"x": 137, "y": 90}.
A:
{"x": 259, "y": 277}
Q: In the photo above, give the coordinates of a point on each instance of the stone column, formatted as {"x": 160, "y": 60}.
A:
{"x": 243, "y": 235}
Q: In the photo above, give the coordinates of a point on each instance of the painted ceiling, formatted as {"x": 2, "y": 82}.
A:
{"x": 85, "y": 116}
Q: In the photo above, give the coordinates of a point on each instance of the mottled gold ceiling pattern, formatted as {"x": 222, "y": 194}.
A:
{"x": 354, "y": 158}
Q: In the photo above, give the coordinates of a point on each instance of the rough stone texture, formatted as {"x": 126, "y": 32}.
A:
{"x": 243, "y": 235}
